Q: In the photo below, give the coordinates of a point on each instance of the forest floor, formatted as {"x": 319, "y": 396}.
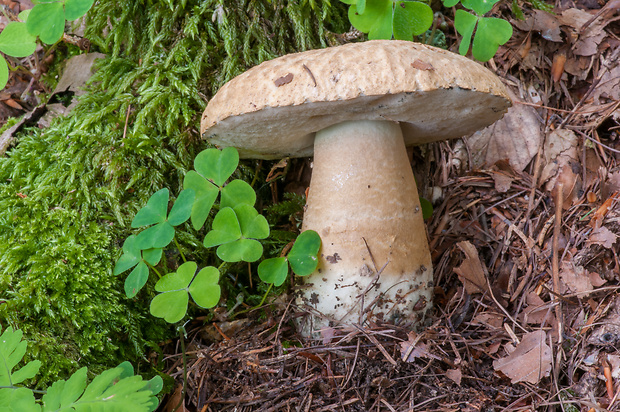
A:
{"x": 524, "y": 240}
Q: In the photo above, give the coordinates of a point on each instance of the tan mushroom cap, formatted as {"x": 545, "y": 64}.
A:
{"x": 274, "y": 109}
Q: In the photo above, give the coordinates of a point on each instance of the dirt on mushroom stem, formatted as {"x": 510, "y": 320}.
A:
{"x": 375, "y": 264}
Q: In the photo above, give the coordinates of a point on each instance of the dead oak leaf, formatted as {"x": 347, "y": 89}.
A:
{"x": 602, "y": 236}
{"x": 471, "y": 272}
{"x": 529, "y": 362}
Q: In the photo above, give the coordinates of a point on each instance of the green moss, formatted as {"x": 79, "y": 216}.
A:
{"x": 68, "y": 193}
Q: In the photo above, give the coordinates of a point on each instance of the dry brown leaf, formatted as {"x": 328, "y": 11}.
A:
{"x": 537, "y": 312}
{"x": 602, "y": 236}
{"x": 516, "y": 137}
{"x": 575, "y": 279}
{"x": 78, "y": 70}
{"x": 588, "y": 41}
{"x": 545, "y": 23}
{"x": 608, "y": 87}
{"x": 561, "y": 164}
{"x": 471, "y": 272}
{"x": 413, "y": 348}
{"x": 455, "y": 375}
{"x": 495, "y": 320}
{"x": 596, "y": 279}
{"x": 175, "y": 401}
{"x": 529, "y": 362}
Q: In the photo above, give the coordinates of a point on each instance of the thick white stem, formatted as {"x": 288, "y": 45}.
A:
{"x": 375, "y": 262}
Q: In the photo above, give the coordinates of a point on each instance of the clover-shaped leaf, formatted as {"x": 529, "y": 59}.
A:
{"x": 16, "y": 41}
{"x": 74, "y": 9}
{"x": 205, "y": 289}
{"x": 237, "y": 192}
{"x": 176, "y": 287}
{"x": 217, "y": 165}
{"x": 375, "y": 19}
{"x": 234, "y": 232}
{"x": 116, "y": 389}
{"x": 47, "y": 20}
{"x": 154, "y": 213}
{"x": 303, "y": 255}
{"x": 411, "y": 18}
{"x": 450, "y": 3}
{"x": 134, "y": 256}
{"x": 12, "y": 351}
{"x": 206, "y": 193}
{"x": 302, "y": 258}
{"x": 490, "y": 34}
{"x": 481, "y": 7}
{"x": 274, "y": 270}
{"x": 4, "y": 72}
{"x": 464, "y": 23}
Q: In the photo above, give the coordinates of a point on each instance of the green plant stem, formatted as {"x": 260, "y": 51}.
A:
{"x": 176, "y": 242}
{"x": 153, "y": 268}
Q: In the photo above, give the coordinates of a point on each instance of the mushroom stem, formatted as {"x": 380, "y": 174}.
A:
{"x": 375, "y": 262}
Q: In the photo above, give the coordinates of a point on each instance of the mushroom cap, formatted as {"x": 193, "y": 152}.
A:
{"x": 273, "y": 110}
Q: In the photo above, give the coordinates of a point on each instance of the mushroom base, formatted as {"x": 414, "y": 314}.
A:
{"x": 375, "y": 264}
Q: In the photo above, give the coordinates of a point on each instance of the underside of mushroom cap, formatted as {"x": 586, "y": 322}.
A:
{"x": 274, "y": 109}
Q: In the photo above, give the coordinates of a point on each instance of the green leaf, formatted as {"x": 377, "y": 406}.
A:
{"x": 12, "y": 350}
{"x": 130, "y": 256}
{"x": 171, "y": 304}
{"x": 74, "y": 9}
{"x": 427, "y": 208}
{"x": 376, "y": 19}
{"x": 205, "y": 288}
{"x": 464, "y": 23}
{"x": 154, "y": 211}
{"x": 274, "y": 270}
{"x": 252, "y": 224}
{"x": 491, "y": 33}
{"x": 23, "y": 16}
{"x": 450, "y": 3}
{"x": 47, "y": 20}
{"x": 361, "y": 6}
{"x": 136, "y": 279}
{"x": 4, "y": 72}
{"x": 206, "y": 193}
{"x": 225, "y": 228}
{"x": 16, "y": 41}
{"x": 158, "y": 236}
{"x": 18, "y": 400}
{"x": 246, "y": 250}
{"x": 217, "y": 165}
{"x": 182, "y": 207}
{"x": 116, "y": 389}
{"x": 237, "y": 192}
{"x": 481, "y": 7}
{"x": 303, "y": 255}
{"x": 152, "y": 256}
{"x": 411, "y": 18}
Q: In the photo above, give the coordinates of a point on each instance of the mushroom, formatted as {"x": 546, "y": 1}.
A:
{"x": 357, "y": 107}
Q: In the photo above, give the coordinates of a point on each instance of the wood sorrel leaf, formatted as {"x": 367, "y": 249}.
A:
{"x": 481, "y": 7}
{"x": 411, "y": 18}
{"x": 74, "y": 9}
{"x": 154, "y": 211}
{"x": 450, "y": 3}
{"x": 274, "y": 270}
{"x": 47, "y": 20}
{"x": 225, "y": 228}
{"x": 217, "y": 165}
{"x": 171, "y": 304}
{"x": 237, "y": 192}
{"x": 136, "y": 279}
{"x": 490, "y": 34}
{"x": 252, "y": 224}
{"x": 206, "y": 193}
{"x": 205, "y": 288}
{"x": 158, "y": 236}
{"x": 246, "y": 250}
{"x": 4, "y": 72}
{"x": 182, "y": 208}
{"x": 152, "y": 256}
{"x": 16, "y": 41}
{"x": 464, "y": 23}
{"x": 130, "y": 256}
{"x": 376, "y": 20}
{"x": 303, "y": 255}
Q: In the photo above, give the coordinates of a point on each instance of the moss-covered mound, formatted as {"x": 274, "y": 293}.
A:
{"x": 68, "y": 193}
